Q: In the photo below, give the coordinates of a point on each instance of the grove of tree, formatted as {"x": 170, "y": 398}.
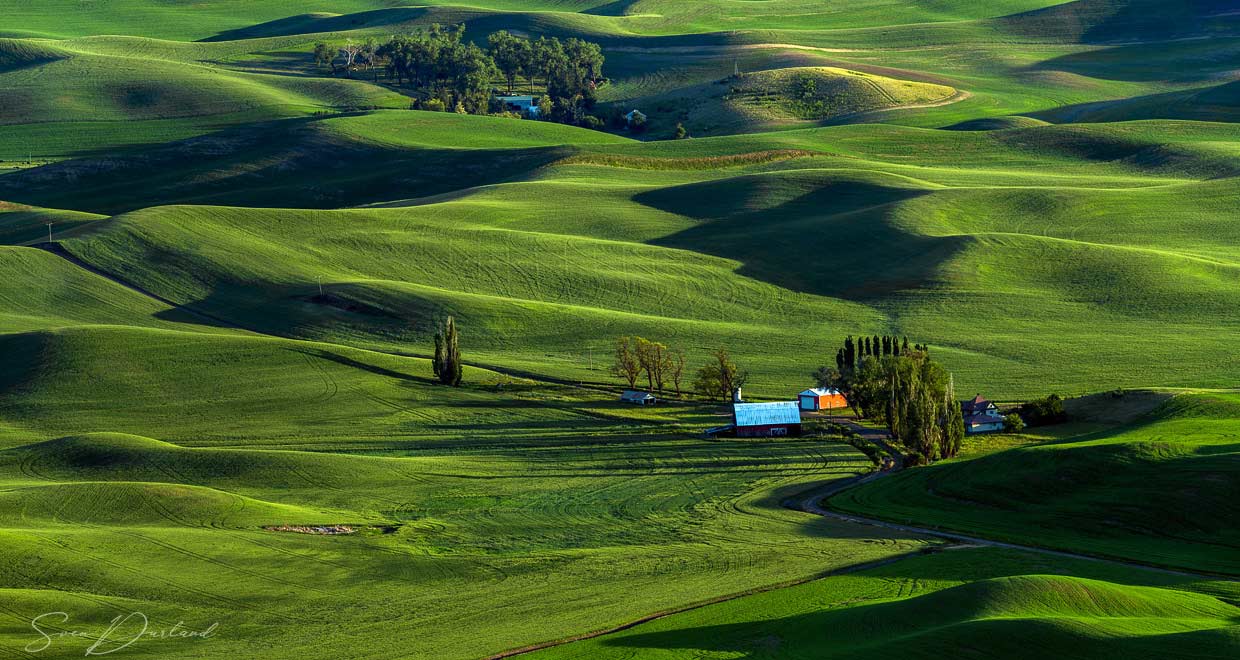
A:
{"x": 902, "y": 387}
{"x": 451, "y": 73}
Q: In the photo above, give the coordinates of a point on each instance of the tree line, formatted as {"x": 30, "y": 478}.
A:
{"x": 457, "y": 75}
{"x": 902, "y": 387}
{"x": 854, "y": 350}
{"x": 664, "y": 369}
{"x": 662, "y": 366}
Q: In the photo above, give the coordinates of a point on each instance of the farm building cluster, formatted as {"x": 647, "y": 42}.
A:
{"x": 783, "y": 418}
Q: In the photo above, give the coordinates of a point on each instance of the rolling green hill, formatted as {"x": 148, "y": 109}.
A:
{"x": 780, "y": 98}
{"x": 217, "y": 407}
{"x": 76, "y": 97}
{"x": 1168, "y": 487}
{"x": 931, "y": 606}
{"x": 1103, "y": 21}
{"x": 457, "y": 528}
{"x": 42, "y": 291}
{"x": 729, "y": 214}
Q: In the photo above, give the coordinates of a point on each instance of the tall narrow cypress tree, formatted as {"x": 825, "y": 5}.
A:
{"x": 953, "y": 421}
{"x": 839, "y": 360}
{"x": 447, "y": 363}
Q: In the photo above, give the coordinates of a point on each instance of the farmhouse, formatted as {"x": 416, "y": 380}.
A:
{"x": 639, "y": 398}
{"x": 821, "y": 398}
{"x": 981, "y": 416}
{"x": 524, "y": 104}
{"x": 767, "y": 420}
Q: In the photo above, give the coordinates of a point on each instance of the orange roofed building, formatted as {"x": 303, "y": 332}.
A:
{"x": 820, "y": 398}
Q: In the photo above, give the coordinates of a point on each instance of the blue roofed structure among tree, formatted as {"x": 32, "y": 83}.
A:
{"x": 526, "y": 106}
{"x": 767, "y": 420}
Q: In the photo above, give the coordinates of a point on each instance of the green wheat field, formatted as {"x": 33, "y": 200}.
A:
{"x": 222, "y": 264}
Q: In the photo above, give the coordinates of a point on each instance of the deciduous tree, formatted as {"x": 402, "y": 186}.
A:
{"x": 677, "y": 370}
{"x": 511, "y": 55}
{"x": 719, "y": 378}
{"x": 627, "y": 364}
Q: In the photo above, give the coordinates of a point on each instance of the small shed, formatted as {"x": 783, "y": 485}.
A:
{"x": 638, "y": 398}
{"x": 821, "y": 398}
{"x": 635, "y": 116}
{"x": 767, "y": 420}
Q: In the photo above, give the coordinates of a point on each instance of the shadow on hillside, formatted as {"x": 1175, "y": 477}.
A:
{"x": 283, "y": 164}
{"x": 368, "y": 368}
{"x": 318, "y": 23}
{"x": 1190, "y": 62}
{"x": 1112, "y": 21}
{"x": 831, "y": 238}
{"x": 615, "y": 8}
{"x": 989, "y": 617}
{"x": 1220, "y": 103}
{"x": 1093, "y": 143}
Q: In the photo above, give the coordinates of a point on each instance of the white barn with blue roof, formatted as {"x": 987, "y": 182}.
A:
{"x": 767, "y": 420}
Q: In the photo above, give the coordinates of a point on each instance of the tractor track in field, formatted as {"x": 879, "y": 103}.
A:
{"x": 844, "y": 570}
{"x": 219, "y": 321}
{"x": 810, "y": 502}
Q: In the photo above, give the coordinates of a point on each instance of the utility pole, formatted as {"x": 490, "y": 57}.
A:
{"x": 49, "y": 232}
{"x": 319, "y": 279}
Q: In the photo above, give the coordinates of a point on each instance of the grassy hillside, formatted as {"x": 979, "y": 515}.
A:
{"x": 179, "y": 532}
{"x": 149, "y": 18}
{"x": 906, "y": 241}
{"x": 179, "y": 387}
{"x": 101, "y": 94}
{"x": 311, "y": 163}
{"x": 780, "y": 98}
{"x": 42, "y": 291}
{"x": 931, "y": 606}
{"x": 1102, "y": 21}
{"x": 1215, "y": 103}
{"x": 225, "y": 344}
{"x": 26, "y": 224}
{"x": 1053, "y": 494}
{"x": 155, "y": 19}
